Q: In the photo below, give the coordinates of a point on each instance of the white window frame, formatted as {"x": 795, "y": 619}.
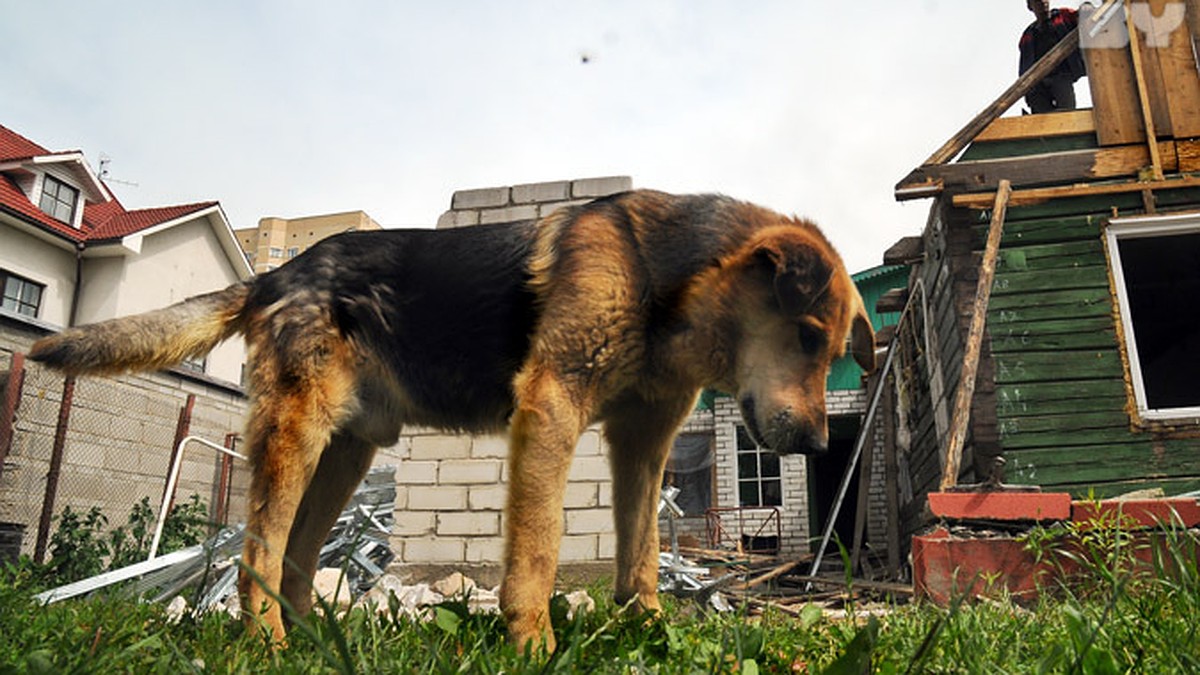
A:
{"x": 19, "y": 301}
{"x": 758, "y": 480}
{"x": 56, "y": 199}
{"x": 1141, "y": 227}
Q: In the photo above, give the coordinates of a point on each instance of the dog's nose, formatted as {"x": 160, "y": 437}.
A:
{"x": 805, "y": 442}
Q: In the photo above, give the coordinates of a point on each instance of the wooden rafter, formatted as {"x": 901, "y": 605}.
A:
{"x": 983, "y": 200}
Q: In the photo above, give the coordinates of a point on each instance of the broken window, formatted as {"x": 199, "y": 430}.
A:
{"x": 1156, "y": 268}
{"x": 690, "y": 468}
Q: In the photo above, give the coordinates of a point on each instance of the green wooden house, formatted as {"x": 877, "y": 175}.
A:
{"x": 1088, "y": 379}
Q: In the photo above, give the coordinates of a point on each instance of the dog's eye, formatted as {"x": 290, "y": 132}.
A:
{"x": 812, "y": 338}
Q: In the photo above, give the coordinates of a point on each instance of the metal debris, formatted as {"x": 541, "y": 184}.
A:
{"x": 358, "y": 544}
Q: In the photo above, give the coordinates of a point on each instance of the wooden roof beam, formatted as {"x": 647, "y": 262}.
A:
{"x": 984, "y": 200}
{"x": 1069, "y": 166}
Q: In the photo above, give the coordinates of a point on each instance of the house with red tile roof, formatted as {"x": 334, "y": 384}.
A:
{"x": 71, "y": 253}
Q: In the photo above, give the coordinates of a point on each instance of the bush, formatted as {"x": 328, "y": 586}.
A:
{"x": 79, "y": 547}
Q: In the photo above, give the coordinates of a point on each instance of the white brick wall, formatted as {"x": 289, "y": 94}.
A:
{"x": 450, "y": 509}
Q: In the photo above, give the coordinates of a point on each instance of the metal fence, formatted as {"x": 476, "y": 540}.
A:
{"x": 107, "y": 443}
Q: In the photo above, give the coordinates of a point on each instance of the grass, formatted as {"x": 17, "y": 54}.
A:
{"x": 1114, "y": 619}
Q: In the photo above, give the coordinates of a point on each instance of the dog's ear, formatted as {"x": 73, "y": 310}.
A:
{"x": 800, "y": 274}
{"x": 862, "y": 336}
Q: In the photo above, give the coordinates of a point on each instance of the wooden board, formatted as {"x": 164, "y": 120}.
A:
{"x": 1058, "y": 167}
{"x": 1172, "y": 77}
{"x": 1117, "y": 111}
{"x": 1032, "y": 196}
{"x": 1188, "y": 152}
{"x": 1063, "y": 123}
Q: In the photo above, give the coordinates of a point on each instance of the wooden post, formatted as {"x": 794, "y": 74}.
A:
{"x": 8, "y": 405}
{"x": 891, "y": 478}
{"x": 970, "y": 366}
{"x": 220, "y": 512}
{"x": 1139, "y": 75}
{"x": 52, "y": 476}
{"x": 181, "y": 431}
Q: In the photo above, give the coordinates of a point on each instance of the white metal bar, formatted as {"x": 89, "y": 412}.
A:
{"x": 173, "y": 478}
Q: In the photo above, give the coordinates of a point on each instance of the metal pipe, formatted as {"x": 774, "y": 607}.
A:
{"x": 173, "y": 478}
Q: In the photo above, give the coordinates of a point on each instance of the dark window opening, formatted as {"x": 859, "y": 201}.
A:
{"x": 690, "y": 467}
{"x": 825, "y": 474}
{"x": 1162, "y": 277}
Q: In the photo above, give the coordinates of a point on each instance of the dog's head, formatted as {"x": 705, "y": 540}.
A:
{"x": 797, "y": 312}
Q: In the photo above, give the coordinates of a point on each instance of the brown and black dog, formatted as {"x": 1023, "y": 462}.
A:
{"x": 617, "y": 311}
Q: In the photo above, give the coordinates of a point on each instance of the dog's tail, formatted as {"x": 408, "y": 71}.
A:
{"x": 150, "y": 341}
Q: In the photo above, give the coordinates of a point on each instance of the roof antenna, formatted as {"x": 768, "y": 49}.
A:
{"x": 105, "y": 160}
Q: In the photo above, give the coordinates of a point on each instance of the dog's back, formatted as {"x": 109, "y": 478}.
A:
{"x": 448, "y": 314}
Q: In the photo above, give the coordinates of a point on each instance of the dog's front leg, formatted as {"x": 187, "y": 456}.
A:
{"x": 544, "y": 430}
{"x": 640, "y": 434}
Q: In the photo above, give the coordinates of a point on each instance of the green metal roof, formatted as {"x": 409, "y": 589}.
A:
{"x": 845, "y": 375}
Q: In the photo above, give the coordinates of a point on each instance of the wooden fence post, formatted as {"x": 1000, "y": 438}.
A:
{"x": 8, "y": 405}
{"x": 52, "y": 476}
{"x": 182, "y": 428}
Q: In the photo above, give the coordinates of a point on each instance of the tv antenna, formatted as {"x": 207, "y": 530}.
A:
{"x": 105, "y": 160}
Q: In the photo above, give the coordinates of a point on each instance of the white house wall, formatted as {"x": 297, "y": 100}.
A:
{"x": 173, "y": 265}
{"x": 34, "y": 259}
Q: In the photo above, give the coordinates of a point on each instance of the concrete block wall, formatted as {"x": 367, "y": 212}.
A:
{"x": 118, "y": 442}
{"x": 451, "y": 492}
{"x": 479, "y": 206}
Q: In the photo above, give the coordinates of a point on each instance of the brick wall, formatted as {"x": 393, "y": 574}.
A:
{"x": 451, "y": 494}
{"x": 526, "y": 202}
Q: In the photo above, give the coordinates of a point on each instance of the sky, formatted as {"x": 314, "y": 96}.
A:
{"x": 302, "y": 108}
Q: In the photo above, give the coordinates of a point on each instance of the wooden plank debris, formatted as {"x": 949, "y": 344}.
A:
{"x": 1053, "y": 167}
{"x": 1148, "y": 113}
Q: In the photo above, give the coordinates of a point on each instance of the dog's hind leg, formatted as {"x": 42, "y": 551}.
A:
{"x": 299, "y": 402}
{"x": 545, "y": 427}
{"x": 640, "y": 434}
{"x": 339, "y": 472}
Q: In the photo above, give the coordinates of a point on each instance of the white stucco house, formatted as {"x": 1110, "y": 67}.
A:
{"x": 70, "y": 253}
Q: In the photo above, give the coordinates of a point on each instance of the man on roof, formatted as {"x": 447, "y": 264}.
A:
{"x": 1057, "y": 90}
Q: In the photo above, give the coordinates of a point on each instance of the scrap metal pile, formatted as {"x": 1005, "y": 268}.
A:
{"x": 357, "y": 545}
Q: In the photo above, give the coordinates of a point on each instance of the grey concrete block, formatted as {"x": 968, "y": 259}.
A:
{"x": 555, "y": 191}
{"x": 599, "y": 187}
{"x": 480, "y": 198}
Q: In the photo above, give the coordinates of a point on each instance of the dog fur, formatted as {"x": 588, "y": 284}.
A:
{"x": 618, "y": 311}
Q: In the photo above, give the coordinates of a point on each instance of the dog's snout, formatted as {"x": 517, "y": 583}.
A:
{"x": 784, "y": 432}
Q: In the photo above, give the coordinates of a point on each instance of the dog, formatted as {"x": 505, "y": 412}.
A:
{"x": 618, "y": 311}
